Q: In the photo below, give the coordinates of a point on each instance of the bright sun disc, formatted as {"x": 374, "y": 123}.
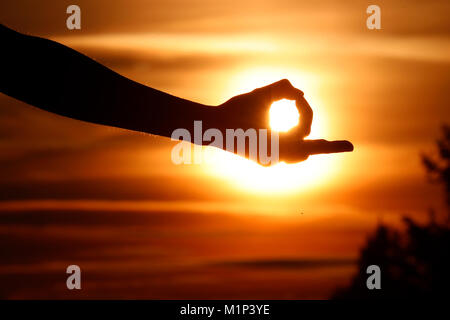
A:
{"x": 283, "y": 115}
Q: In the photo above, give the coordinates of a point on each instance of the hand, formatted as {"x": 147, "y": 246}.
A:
{"x": 251, "y": 110}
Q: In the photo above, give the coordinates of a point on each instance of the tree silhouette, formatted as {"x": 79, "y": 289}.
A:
{"x": 438, "y": 168}
{"x": 414, "y": 263}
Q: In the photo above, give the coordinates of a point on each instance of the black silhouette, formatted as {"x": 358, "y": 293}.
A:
{"x": 414, "y": 263}
{"x": 58, "y": 79}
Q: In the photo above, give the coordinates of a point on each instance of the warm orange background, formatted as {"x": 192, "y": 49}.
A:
{"x": 139, "y": 226}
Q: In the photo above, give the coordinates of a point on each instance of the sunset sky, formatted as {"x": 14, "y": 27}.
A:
{"x": 140, "y": 226}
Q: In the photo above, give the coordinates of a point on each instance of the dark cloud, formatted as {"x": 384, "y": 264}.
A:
{"x": 289, "y": 263}
{"x": 158, "y": 187}
{"x": 151, "y": 254}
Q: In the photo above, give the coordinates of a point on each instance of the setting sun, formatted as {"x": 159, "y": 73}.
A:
{"x": 283, "y": 115}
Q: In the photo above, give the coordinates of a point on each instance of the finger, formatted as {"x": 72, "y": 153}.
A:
{"x": 292, "y": 150}
{"x": 306, "y": 117}
{"x": 323, "y": 146}
{"x": 282, "y": 89}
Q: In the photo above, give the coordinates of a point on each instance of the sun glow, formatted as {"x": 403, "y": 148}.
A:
{"x": 282, "y": 178}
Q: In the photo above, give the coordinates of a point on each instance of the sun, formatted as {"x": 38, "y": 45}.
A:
{"x": 283, "y": 115}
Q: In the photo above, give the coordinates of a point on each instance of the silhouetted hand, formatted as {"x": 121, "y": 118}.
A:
{"x": 50, "y": 76}
{"x": 251, "y": 110}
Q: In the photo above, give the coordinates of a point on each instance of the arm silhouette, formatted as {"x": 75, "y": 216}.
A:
{"x": 58, "y": 79}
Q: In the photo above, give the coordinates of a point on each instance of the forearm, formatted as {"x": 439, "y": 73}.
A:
{"x": 59, "y": 79}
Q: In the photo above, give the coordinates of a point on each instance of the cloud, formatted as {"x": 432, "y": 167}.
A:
{"x": 283, "y": 264}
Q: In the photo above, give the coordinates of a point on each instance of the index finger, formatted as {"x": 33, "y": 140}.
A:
{"x": 323, "y": 146}
{"x": 296, "y": 151}
{"x": 282, "y": 89}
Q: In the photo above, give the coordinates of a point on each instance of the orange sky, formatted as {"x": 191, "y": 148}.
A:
{"x": 386, "y": 91}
